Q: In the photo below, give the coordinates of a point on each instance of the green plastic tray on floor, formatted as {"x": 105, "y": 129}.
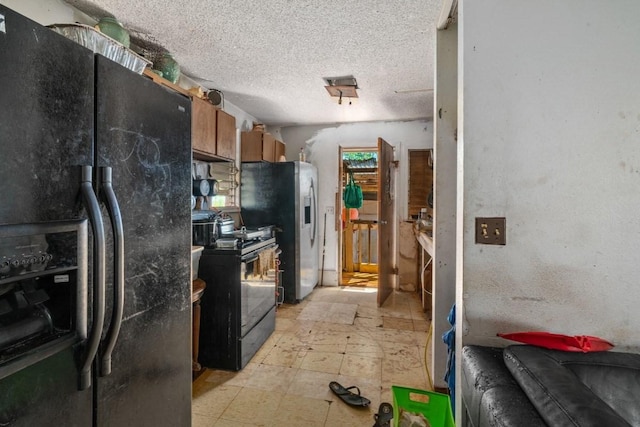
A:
{"x": 436, "y": 407}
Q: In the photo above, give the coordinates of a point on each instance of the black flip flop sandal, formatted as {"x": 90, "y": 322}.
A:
{"x": 347, "y": 396}
{"x": 384, "y": 416}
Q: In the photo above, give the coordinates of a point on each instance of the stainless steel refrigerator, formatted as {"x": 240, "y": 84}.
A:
{"x": 95, "y": 238}
{"x": 284, "y": 194}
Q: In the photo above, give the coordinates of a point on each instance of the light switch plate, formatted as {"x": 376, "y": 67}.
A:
{"x": 491, "y": 231}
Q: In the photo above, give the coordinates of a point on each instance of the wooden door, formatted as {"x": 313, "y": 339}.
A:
{"x": 279, "y": 151}
{"x": 268, "y": 147}
{"x": 203, "y": 128}
{"x": 251, "y": 146}
{"x": 386, "y": 170}
{"x": 226, "y": 135}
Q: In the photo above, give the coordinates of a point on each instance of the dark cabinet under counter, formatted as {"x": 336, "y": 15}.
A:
{"x": 238, "y": 308}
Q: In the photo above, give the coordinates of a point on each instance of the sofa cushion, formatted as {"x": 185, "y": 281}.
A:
{"x": 578, "y": 389}
{"x": 490, "y": 395}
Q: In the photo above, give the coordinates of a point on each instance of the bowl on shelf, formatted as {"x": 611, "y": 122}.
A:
{"x": 114, "y": 29}
{"x": 168, "y": 66}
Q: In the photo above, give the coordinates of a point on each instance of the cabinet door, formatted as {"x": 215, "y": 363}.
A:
{"x": 279, "y": 150}
{"x": 268, "y": 147}
{"x": 251, "y": 148}
{"x": 203, "y": 128}
{"x": 226, "y": 136}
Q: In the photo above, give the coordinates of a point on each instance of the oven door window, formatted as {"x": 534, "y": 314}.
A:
{"x": 258, "y": 287}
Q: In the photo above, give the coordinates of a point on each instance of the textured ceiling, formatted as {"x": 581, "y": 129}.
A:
{"x": 269, "y": 58}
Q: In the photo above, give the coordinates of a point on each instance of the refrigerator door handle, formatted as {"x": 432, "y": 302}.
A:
{"x": 106, "y": 190}
{"x": 93, "y": 210}
{"x": 313, "y": 212}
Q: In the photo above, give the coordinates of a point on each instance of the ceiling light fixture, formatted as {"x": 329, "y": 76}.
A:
{"x": 342, "y": 87}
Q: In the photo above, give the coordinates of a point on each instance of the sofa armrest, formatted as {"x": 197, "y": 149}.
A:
{"x": 490, "y": 395}
{"x": 555, "y": 391}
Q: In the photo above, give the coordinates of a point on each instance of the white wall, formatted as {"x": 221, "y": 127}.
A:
{"x": 550, "y": 128}
{"x": 444, "y": 263}
{"x": 321, "y": 144}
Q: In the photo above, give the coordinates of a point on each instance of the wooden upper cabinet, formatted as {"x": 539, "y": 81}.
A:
{"x": 268, "y": 147}
{"x": 213, "y": 131}
{"x": 203, "y": 127}
{"x": 251, "y": 146}
{"x": 258, "y": 146}
{"x": 226, "y": 135}
{"x": 279, "y": 150}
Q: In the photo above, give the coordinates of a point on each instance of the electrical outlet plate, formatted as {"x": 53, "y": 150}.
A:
{"x": 330, "y": 210}
{"x": 491, "y": 231}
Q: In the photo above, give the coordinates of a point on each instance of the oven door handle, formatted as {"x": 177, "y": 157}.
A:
{"x": 253, "y": 255}
{"x": 109, "y": 196}
{"x": 249, "y": 258}
{"x": 93, "y": 211}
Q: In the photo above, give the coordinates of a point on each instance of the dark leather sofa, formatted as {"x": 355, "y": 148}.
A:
{"x": 527, "y": 386}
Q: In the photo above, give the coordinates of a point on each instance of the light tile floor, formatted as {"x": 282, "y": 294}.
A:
{"x": 316, "y": 342}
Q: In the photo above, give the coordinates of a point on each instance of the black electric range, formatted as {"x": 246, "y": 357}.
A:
{"x": 239, "y": 303}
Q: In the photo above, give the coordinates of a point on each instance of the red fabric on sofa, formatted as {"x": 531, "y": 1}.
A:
{"x": 583, "y": 343}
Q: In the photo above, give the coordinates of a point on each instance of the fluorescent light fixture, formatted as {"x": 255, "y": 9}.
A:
{"x": 401, "y": 91}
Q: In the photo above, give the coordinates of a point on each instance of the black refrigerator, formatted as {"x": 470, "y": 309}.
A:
{"x": 284, "y": 194}
{"x": 95, "y": 238}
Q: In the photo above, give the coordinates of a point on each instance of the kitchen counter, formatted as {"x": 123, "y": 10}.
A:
{"x": 196, "y": 253}
{"x": 425, "y": 238}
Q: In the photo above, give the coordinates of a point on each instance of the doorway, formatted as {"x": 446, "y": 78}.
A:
{"x": 358, "y": 239}
{"x": 383, "y": 176}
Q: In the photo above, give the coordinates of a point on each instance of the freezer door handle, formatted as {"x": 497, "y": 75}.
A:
{"x": 109, "y": 196}
{"x": 93, "y": 210}
{"x": 313, "y": 213}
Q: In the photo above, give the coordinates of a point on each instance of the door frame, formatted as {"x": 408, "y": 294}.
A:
{"x": 340, "y": 203}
